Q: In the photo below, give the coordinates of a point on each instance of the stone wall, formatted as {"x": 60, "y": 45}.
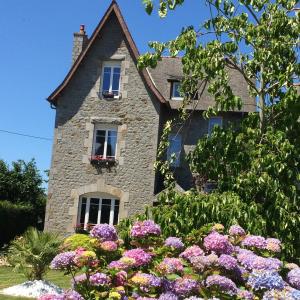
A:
{"x": 194, "y": 129}
{"x": 136, "y": 115}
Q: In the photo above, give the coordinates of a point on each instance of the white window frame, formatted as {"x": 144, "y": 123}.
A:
{"x": 87, "y": 210}
{"x": 174, "y": 84}
{"x": 211, "y": 124}
{"x": 106, "y": 129}
{"x": 175, "y": 163}
{"x": 111, "y": 65}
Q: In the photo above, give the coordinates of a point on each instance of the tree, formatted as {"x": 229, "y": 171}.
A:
{"x": 21, "y": 192}
{"x": 260, "y": 160}
{"x": 21, "y": 183}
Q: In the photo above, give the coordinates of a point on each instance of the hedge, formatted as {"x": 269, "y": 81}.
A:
{"x": 14, "y": 220}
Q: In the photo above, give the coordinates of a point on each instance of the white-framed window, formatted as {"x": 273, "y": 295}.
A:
{"x": 214, "y": 121}
{"x": 175, "y": 92}
{"x": 97, "y": 210}
{"x": 104, "y": 143}
{"x": 111, "y": 75}
{"x": 174, "y": 149}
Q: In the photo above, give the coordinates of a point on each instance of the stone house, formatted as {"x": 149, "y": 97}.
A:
{"x": 109, "y": 118}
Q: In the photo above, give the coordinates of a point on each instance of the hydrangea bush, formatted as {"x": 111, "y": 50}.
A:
{"x": 233, "y": 266}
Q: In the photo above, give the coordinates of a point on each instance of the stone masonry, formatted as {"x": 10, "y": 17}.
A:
{"x": 136, "y": 115}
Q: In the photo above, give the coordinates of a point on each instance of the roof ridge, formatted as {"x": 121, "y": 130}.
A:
{"x": 113, "y": 8}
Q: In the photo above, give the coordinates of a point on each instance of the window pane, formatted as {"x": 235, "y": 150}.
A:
{"x": 106, "y": 79}
{"x": 82, "y": 210}
{"x": 174, "y": 148}
{"x": 94, "y": 207}
{"x": 176, "y": 90}
{"x": 215, "y": 121}
{"x": 105, "y": 211}
{"x": 111, "y": 143}
{"x": 116, "y": 81}
{"x": 100, "y": 140}
{"x": 116, "y": 214}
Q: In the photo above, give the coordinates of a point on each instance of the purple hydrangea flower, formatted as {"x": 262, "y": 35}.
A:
{"x": 99, "y": 279}
{"x": 218, "y": 243}
{"x": 293, "y": 278}
{"x": 273, "y": 245}
{"x": 252, "y": 261}
{"x": 78, "y": 279}
{"x": 236, "y": 230}
{"x": 193, "y": 298}
{"x": 190, "y": 252}
{"x": 185, "y": 286}
{"x": 141, "y": 229}
{"x": 255, "y": 241}
{"x": 104, "y": 232}
{"x": 285, "y": 294}
{"x": 266, "y": 280}
{"x": 139, "y": 255}
{"x": 170, "y": 265}
{"x": 245, "y": 295}
{"x": 202, "y": 262}
{"x": 227, "y": 262}
{"x": 223, "y": 283}
{"x": 63, "y": 260}
{"x": 72, "y": 295}
{"x": 168, "y": 296}
{"x": 174, "y": 242}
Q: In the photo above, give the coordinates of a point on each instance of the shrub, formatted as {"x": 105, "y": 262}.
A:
{"x": 233, "y": 266}
{"x": 78, "y": 240}
{"x": 33, "y": 252}
{"x": 14, "y": 220}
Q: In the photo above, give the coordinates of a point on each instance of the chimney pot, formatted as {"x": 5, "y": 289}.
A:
{"x": 82, "y": 29}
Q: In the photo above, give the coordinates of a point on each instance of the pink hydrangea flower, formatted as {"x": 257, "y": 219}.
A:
{"x": 139, "y": 255}
{"x": 192, "y": 251}
{"x": 142, "y": 229}
{"x": 218, "y": 243}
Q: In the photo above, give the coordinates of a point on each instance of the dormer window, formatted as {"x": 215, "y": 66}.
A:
{"x": 111, "y": 80}
{"x": 175, "y": 91}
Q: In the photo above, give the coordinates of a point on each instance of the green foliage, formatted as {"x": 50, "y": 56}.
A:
{"x": 14, "y": 220}
{"x": 180, "y": 214}
{"x": 78, "y": 240}
{"x": 259, "y": 161}
{"x": 21, "y": 185}
{"x": 33, "y": 252}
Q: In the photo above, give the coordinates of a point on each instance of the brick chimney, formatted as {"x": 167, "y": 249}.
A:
{"x": 80, "y": 42}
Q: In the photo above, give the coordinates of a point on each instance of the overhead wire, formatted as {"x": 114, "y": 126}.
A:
{"x": 26, "y": 135}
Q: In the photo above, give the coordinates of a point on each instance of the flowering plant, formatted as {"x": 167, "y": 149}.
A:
{"x": 219, "y": 266}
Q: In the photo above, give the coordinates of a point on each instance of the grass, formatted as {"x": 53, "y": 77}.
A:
{"x": 9, "y": 278}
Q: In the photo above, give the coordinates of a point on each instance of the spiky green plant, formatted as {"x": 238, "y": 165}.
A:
{"x": 32, "y": 253}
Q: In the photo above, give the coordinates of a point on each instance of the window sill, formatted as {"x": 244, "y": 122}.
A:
{"x": 109, "y": 97}
{"x": 99, "y": 161}
{"x": 177, "y": 98}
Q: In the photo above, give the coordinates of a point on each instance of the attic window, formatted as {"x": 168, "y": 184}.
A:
{"x": 175, "y": 91}
{"x": 111, "y": 80}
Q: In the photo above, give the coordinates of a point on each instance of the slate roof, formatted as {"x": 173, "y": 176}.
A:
{"x": 170, "y": 69}
{"x": 158, "y": 79}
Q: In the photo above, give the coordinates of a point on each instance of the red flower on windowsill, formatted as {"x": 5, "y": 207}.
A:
{"x": 101, "y": 161}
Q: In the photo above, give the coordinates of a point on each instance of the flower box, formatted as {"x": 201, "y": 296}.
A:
{"x": 99, "y": 160}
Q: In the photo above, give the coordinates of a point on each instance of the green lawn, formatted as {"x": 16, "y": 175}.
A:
{"x": 9, "y": 278}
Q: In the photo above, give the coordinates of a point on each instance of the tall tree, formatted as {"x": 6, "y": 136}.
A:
{"x": 21, "y": 183}
{"x": 260, "y": 161}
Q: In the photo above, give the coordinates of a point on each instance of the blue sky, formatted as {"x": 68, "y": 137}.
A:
{"x": 35, "y": 54}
